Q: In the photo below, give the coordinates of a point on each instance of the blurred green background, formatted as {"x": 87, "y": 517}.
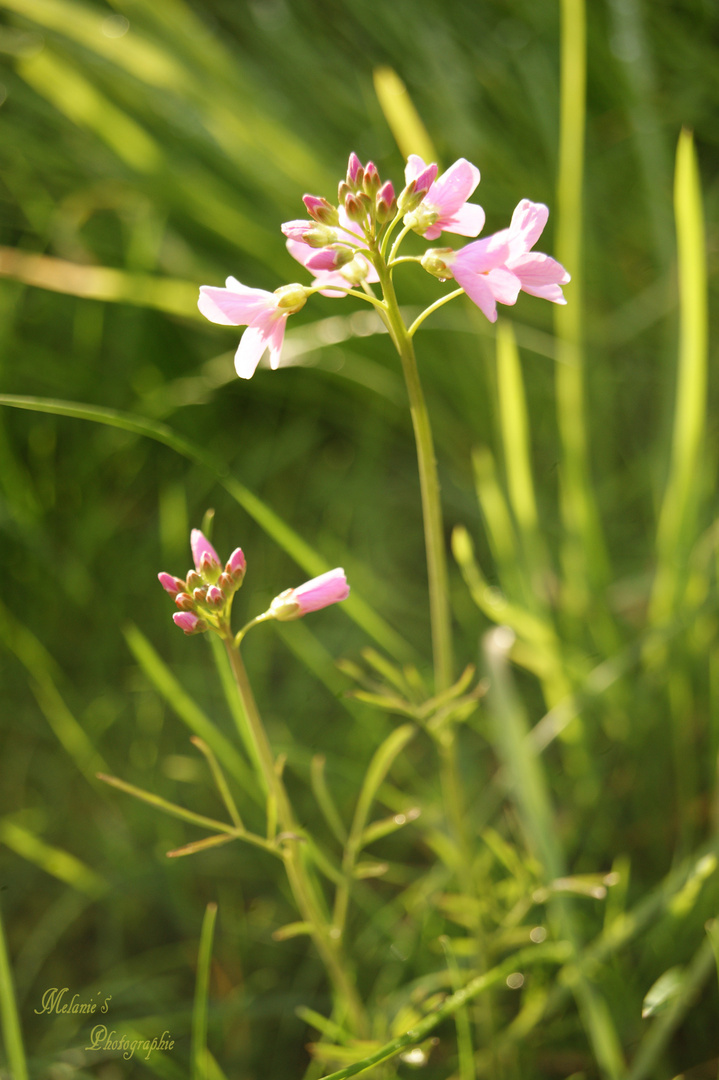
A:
{"x": 165, "y": 141}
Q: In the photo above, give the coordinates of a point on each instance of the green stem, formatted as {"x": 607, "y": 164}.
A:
{"x": 303, "y": 888}
{"x": 433, "y": 307}
{"x": 429, "y": 486}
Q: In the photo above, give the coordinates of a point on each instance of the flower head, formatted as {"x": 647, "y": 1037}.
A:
{"x": 264, "y": 313}
{"x": 539, "y": 274}
{"x": 321, "y": 591}
{"x": 331, "y": 265}
{"x": 204, "y": 598}
{"x": 444, "y": 207}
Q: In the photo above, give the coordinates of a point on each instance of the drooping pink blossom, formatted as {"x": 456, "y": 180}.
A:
{"x": 539, "y": 274}
{"x": 445, "y": 207}
{"x": 320, "y": 592}
{"x": 264, "y": 313}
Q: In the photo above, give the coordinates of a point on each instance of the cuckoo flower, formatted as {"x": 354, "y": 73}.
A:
{"x": 321, "y": 591}
{"x": 479, "y": 269}
{"x": 264, "y": 313}
{"x": 538, "y": 274}
{"x": 445, "y": 207}
{"x": 327, "y": 263}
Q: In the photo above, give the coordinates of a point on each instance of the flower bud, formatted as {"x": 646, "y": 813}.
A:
{"x": 189, "y": 622}
{"x": 437, "y": 261}
{"x": 309, "y": 232}
{"x": 204, "y": 555}
{"x": 227, "y": 585}
{"x": 194, "y": 581}
{"x": 292, "y": 297}
{"x": 416, "y": 190}
{"x": 200, "y": 595}
{"x": 185, "y": 602}
{"x": 172, "y": 585}
{"x": 343, "y": 191}
{"x": 356, "y": 207}
{"x": 330, "y": 258}
{"x": 321, "y": 210}
{"x": 371, "y": 182}
{"x": 386, "y": 206}
{"x": 215, "y": 597}
{"x": 321, "y": 591}
{"x": 235, "y": 567}
{"x": 355, "y": 172}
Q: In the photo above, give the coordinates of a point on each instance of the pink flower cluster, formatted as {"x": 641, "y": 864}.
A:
{"x": 339, "y": 245}
{"x": 205, "y": 596}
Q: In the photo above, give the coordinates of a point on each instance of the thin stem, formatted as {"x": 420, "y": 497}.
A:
{"x": 303, "y": 888}
{"x": 347, "y": 292}
{"x": 389, "y": 229}
{"x": 248, "y": 626}
{"x": 429, "y": 487}
{"x": 398, "y": 241}
{"x": 433, "y": 307}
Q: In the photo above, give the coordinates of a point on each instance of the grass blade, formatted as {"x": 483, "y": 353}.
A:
{"x": 54, "y": 861}
{"x": 675, "y": 532}
{"x": 12, "y": 1033}
{"x": 200, "y": 1063}
{"x": 404, "y": 121}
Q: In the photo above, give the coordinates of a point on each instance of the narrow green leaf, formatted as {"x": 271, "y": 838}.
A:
{"x": 12, "y": 1032}
{"x": 290, "y": 930}
{"x": 199, "y": 1053}
{"x": 168, "y": 807}
{"x": 202, "y": 845}
{"x": 663, "y": 992}
{"x": 324, "y": 798}
{"x": 53, "y": 860}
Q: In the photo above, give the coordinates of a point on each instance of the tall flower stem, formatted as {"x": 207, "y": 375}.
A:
{"x": 429, "y": 486}
{"x": 303, "y": 886}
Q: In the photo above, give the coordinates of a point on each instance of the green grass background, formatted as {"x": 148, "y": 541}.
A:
{"x": 171, "y": 153}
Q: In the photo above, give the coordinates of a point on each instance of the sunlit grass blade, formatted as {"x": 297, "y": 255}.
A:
{"x": 53, "y": 860}
{"x": 517, "y": 456}
{"x": 202, "y": 990}
{"x": 357, "y": 608}
{"x": 100, "y": 282}
{"x": 12, "y": 1032}
{"x": 584, "y": 558}
{"x": 461, "y": 1018}
{"x": 402, "y": 117}
{"x": 677, "y": 519}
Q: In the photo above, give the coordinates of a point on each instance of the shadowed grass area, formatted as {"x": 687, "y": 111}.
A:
{"x": 150, "y": 146}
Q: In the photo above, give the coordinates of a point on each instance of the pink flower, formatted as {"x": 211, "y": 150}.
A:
{"x": 539, "y": 274}
{"x": 321, "y": 591}
{"x": 264, "y": 313}
{"x": 189, "y": 622}
{"x": 445, "y": 207}
{"x": 203, "y": 553}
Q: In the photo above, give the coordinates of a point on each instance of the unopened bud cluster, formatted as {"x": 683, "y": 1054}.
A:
{"x": 204, "y": 598}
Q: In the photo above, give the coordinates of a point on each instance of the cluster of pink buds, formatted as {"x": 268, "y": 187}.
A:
{"x": 346, "y": 246}
{"x": 205, "y": 596}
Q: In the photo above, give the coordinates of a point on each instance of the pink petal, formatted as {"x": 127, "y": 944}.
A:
{"x": 478, "y": 290}
{"x": 236, "y": 305}
{"x": 453, "y": 188}
{"x": 483, "y": 255}
{"x": 537, "y": 269}
{"x": 504, "y": 284}
{"x": 528, "y": 221}
{"x": 296, "y": 229}
{"x": 275, "y": 339}
{"x": 249, "y": 352}
{"x": 468, "y": 221}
